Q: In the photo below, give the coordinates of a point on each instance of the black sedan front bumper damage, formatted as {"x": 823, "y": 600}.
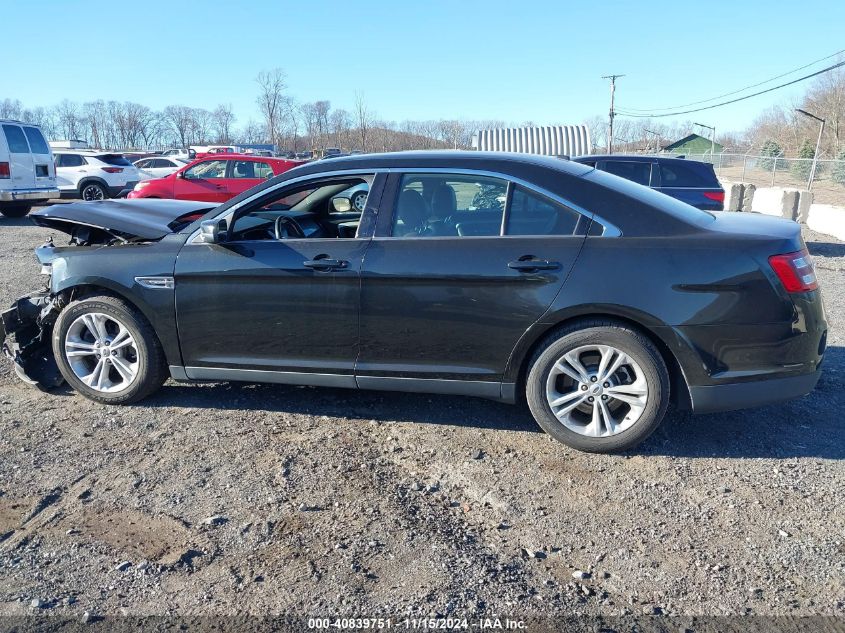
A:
{"x": 25, "y": 330}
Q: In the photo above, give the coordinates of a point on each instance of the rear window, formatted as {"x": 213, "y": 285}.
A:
{"x": 36, "y": 140}
{"x": 662, "y": 202}
{"x": 635, "y": 171}
{"x": 678, "y": 174}
{"x": 118, "y": 160}
{"x": 15, "y": 139}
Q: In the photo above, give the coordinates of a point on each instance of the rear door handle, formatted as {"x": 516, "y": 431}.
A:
{"x": 530, "y": 264}
{"x": 325, "y": 263}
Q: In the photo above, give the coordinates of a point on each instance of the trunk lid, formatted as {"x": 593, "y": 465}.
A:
{"x": 779, "y": 234}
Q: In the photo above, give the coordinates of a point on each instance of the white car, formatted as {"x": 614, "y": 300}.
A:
{"x": 184, "y": 154}
{"x": 27, "y": 175}
{"x": 94, "y": 174}
{"x": 158, "y": 166}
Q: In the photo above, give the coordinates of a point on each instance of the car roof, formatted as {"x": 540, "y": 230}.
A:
{"x": 444, "y": 158}
{"x": 629, "y": 157}
{"x": 251, "y": 157}
{"x": 90, "y": 152}
{"x": 16, "y": 122}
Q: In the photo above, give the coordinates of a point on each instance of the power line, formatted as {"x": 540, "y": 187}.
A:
{"x": 724, "y": 103}
{"x": 728, "y": 94}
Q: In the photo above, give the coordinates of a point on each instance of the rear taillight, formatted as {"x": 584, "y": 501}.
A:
{"x": 718, "y": 196}
{"x": 4, "y": 170}
{"x": 795, "y": 271}
{"x": 112, "y": 170}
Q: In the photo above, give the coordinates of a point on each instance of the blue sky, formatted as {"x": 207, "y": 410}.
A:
{"x": 515, "y": 61}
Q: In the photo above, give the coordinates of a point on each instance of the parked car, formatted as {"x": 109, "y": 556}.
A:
{"x": 260, "y": 152}
{"x": 184, "y": 154}
{"x": 94, "y": 174}
{"x": 27, "y": 174}
{"x": 158, "y": 167}
{"x": 689, "y": 181}
{"x": 213, "y": 179}
{"x": 203, "y": 151}
{"x": 484, "y": 274}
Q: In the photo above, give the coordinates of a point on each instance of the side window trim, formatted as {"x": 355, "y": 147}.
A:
{"x": 583, "y": 219}
{"x": 391, "y": 191}
{"x": 368, "y": 217}
{"x": 506, "y": 214}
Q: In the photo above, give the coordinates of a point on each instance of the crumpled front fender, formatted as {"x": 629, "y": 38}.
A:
{"x": 25, "y": 330}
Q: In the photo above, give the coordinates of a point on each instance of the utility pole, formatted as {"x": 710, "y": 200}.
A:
{"x": 818, "y": 146}
{"x": 613, "y": 79}
{"x": 712, "y": 140}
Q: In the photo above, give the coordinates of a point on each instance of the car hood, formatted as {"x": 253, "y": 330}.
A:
{"x": 146, "y": 218}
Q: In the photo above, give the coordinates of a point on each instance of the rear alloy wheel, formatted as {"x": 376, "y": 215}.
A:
{"x": 107, "y": 351}
{"x": 600, "y": 387}
{"x": 15, "y": 210}
{"x": 93, "y": 191}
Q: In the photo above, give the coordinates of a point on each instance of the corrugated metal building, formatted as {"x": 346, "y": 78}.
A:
{"x": 550, "y": 140}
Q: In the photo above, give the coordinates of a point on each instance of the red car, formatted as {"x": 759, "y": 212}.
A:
{"x": 214, "y": 179}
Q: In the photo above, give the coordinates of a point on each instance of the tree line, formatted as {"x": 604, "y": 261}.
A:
{"x": 300, "y": 126}
{"x": 285, "y": 122}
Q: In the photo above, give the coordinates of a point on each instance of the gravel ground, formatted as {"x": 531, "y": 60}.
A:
{"x": 235, "y": 498}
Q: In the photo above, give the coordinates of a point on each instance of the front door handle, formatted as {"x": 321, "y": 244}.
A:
{"x": 530, "y": 264}
{"x": 324, "y": 262}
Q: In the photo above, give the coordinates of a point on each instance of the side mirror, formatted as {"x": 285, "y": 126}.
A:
{"x": 211, "y": 231}
{"x": 341, "y": 204}
{"x": 180, "y": 174}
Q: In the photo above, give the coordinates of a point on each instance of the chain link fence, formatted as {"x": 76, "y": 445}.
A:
{"x": 828, "y": 183}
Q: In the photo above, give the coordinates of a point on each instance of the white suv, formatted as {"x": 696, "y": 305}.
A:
{"x": 94, "y": 174}
{"x": 27, "y": 174}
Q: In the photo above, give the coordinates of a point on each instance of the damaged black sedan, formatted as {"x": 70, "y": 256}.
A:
{"x": 510, "y": 277}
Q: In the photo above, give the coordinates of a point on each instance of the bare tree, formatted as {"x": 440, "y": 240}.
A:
{"x": 223, "y": 120}
{"x": 67, "y": 117}
{"x": 340, "y": 123}
{"x": 11, "y": 109}
{"x": 95, "y": 120}
{"x": 321, "y": 112}
{"x": 308, "y": 112}
{"x": 252, "y": 133}
{"x": 180, "y": 120}
{"x": 270, "y": 100}
{"x": 363, "y": 118}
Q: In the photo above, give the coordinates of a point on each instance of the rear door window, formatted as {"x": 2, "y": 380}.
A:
{"x": 688, "y": 175}
{"x": 15, "y": 139}
{"x": 36, "y": 140}
{"x": 250, "y": 169}
{"x": 446, "y": 205}
{"x": 69, "y": 160}
{"x": 635, "y": 171}
{"x": 533, "y": 214}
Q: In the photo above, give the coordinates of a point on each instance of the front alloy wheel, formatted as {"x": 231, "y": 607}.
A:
{"x": 598, "y": 386}
{"x": 107, "y": 350}
{"x": 101, "y": 352}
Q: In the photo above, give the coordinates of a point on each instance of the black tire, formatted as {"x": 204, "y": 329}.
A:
{"x": 15, "y": 210}
{"x": 599, "y": 332}
{"x": 152, "y": 367}
{"x": 92, "y": 190}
